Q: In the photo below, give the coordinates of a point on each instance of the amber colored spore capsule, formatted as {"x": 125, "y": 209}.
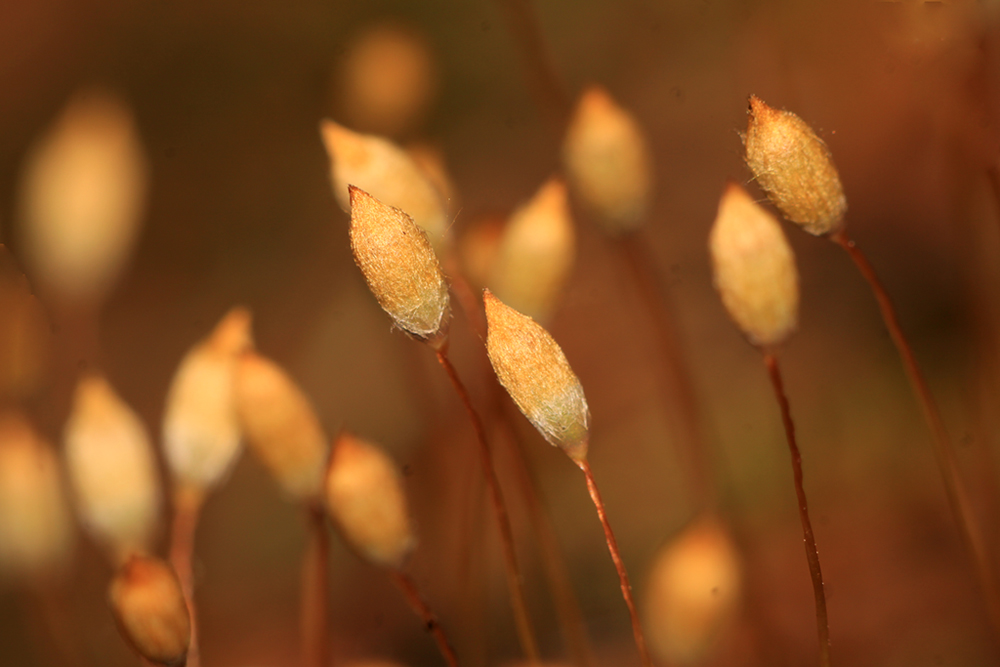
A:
{"x": 149, "y": 607}
{"x": 793, "y": 166}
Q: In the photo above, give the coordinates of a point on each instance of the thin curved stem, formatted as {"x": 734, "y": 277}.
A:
{"x": 187, "y": 510}
{"x": 423, "y": 610}
{"x": 609, "y": 536}
{"x": 812, "y": 553}
{"x": 515, "y": 583}
{"x": 315, "y": 577}
{"x": 567, "y": 605}
{"x": 568, "y": 613}
{"x": 944, "y": 450}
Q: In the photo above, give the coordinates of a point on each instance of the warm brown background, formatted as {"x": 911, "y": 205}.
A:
{"x": 228, "y": 96}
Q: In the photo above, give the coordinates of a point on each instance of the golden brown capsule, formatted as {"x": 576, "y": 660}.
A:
{"x": 533, "y": 369}
{"x": 112, "y": 467}
{"x": 201, "y": 434}
{"x": 608, "y": 162}
{"x": 366, "y": 498}
{"x": 36, "y": 533}
{"x": 83, "y": 192}
{"x": 536, "y": 253}
{"x": 793, "y": 166}
{"x": 388, "y": 79}
{"x": 149, "y": 608}
{"x": 400, "y": 267}
{"x": 754, "y": 269}
{"x": 280, "y": 426}
{"x": 387, "y": 172}
{"x": 693, "y": 590}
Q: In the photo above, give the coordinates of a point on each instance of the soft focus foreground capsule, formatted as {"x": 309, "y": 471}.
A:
{"x": 112, "y": 468}
{"x": 365, "y": 497}
{"x": 389, "y": 79}
{"x": 754, "y": 269}
{"x": 83, "y": 192}
{"x": 201, "y": 434}
{"x": 533, "y": 369}
{"x": 794, "y": 168}
{"x": 693, "y": 590}
{"x": 607, "y": 162}
{"x": 385, "y": 171}
{"x": 35, "y": 527}
{"x": 536, "y": 253}
{"x": 400, "y": 267}
{"x": 280, "y": 426}
{"x": 148, "y": 605}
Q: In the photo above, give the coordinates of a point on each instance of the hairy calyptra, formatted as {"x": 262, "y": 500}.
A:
{"x": 400, "y": 267}
{"x": 793, "y": 166}
{"x": 533, "y": 369}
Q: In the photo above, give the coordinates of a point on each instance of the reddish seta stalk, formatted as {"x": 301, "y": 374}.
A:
{"x": 609, "y": 536}
{"x": 515, "y": 582}
{"x": 570, "y": 617}
{"x": 315, "y": 569}
{"x": 944, "y": 450}
{"x": 423, "y": 610}
{"x": 187, "y": 509}
{"x": 809, "y": 538}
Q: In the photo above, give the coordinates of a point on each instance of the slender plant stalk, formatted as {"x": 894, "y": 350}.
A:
{"x": 315, "y": 577}
{"x": 568, "y": 612}
{"x": 676, "y": 373}
{"x": 944, "y": 450}
{"x": 187, "y": 509}
{"x": 469, "y": 575}
{"x": 420, "y": 606}
{"x": 567, "y": 606}
{"x": 609, "y": 536}
{"x": 514, "y": 581}
{"x": 812, "y": 553}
